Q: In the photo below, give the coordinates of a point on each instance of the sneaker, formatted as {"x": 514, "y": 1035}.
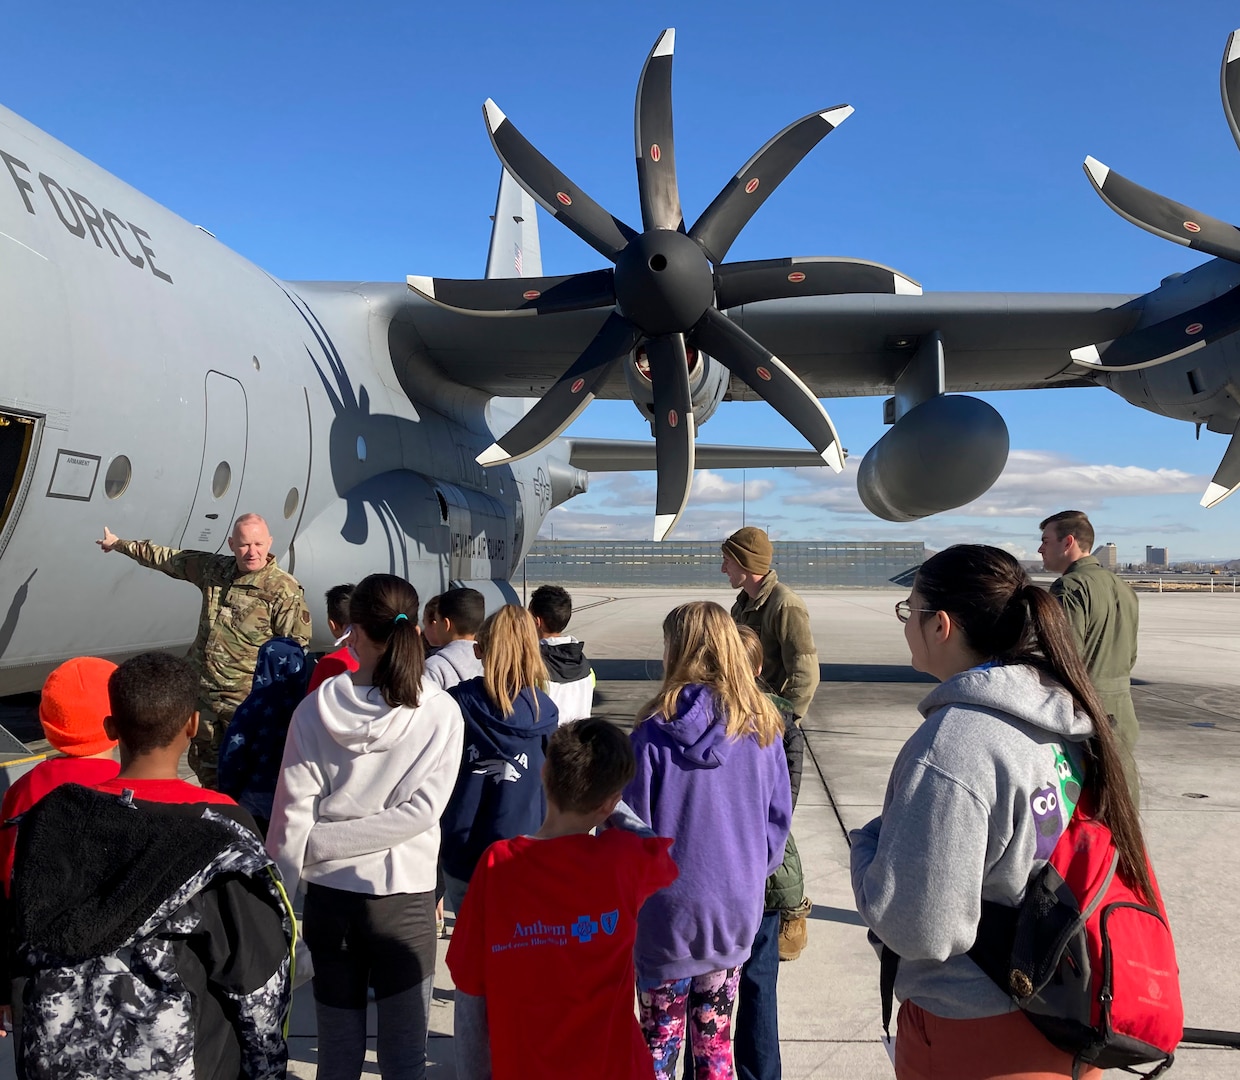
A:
{"x": 439, "y": 926}
{"x": 793, "y": 930}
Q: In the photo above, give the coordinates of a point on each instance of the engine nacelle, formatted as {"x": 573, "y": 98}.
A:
{"x": 708, "y": 382}
{"x": 942, "y": 454}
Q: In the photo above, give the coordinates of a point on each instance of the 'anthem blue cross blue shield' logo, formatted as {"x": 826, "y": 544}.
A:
{"x": 584, "y": 928}
{"x": 608, "y": 920}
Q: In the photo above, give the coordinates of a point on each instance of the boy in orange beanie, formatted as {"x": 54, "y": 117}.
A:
{"x": 71, "y": 710}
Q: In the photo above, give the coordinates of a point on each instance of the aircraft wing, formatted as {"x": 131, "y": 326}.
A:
{"x": 637, "y": 455}
{"x": 840, "y": 346}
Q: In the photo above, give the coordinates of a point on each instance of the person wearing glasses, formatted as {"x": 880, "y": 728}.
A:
{"x": 1013, "y": 738}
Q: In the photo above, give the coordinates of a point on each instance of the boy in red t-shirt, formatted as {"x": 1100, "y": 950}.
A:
{"x": 154, "y": 718}
{"x": 342, "y": 660}
{"x": 558, "y": 910}
{"x": 71, "y": 709}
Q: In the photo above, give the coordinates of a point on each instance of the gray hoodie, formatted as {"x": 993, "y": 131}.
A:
{"x": 977, "y": 798}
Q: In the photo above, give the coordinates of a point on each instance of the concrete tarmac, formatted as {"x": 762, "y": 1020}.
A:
{"x": 1187, "y": 694}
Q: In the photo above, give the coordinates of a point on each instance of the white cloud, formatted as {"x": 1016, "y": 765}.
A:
{"x": 710, "y": 487}
{"x": 1036, "y": 482}
{"x": 1033, "y": 484}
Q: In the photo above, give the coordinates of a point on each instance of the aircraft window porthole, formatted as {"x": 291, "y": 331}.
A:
{"x": 290, "y": 503}
{"x": 116, "y": 480}
{"x": 221, "y": 480}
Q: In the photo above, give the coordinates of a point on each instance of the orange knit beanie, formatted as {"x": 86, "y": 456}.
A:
{"x": 73, "y": 705}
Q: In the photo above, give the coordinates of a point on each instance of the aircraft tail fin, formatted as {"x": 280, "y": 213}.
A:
{"x": 515, "y": 248}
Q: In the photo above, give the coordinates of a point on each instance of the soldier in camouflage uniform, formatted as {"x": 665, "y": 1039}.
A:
{"x": 246, "y": 600}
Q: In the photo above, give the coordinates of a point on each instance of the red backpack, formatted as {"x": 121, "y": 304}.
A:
{"x": 1086, "y": 959}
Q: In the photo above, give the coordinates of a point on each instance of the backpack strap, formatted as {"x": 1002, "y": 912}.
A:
{"x": 889, "y": 964}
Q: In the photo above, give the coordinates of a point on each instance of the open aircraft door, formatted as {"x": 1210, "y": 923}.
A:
{"x": 19, "y": 440}
{"x": 223, "y": 465}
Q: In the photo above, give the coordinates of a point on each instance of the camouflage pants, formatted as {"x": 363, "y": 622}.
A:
{"x": 204, "y": 751}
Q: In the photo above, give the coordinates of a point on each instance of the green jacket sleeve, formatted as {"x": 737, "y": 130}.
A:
{"x": 800, "y": 658}
{"x": 184, "y": 565}
{"x": 1074, "y": 604}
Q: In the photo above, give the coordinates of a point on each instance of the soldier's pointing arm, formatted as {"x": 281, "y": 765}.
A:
{"x": 184, "y": 565}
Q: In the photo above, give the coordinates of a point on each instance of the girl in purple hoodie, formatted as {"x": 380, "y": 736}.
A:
{"x": 711, "y": 774}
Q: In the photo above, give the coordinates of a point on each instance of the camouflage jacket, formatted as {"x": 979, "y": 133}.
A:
{"x": 789, "y": 658}
{"x": 155, "y": 941}
{"x": 239, "y": 613}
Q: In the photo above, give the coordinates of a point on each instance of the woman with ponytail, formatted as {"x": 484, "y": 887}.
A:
{"x": 368, "y": 767}
{"x": 508, "y": 720}
{"x": 1013, "y": 738}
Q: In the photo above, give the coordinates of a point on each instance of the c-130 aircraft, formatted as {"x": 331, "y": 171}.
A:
{"x": 159, "y": 383}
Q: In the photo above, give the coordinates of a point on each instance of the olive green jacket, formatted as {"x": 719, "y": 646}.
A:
{"x": 1102, "y": 610}
{"x": 239, "y": 613}
{"x": 789, "y": 658}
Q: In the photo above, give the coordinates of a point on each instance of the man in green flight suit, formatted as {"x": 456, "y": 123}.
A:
{"x": 246, "y": 600}
{"x": 789, "y": 667}
{"x": 1102, "y": 611}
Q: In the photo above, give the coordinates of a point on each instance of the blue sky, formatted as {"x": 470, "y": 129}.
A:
{"x": 346, "y": 142}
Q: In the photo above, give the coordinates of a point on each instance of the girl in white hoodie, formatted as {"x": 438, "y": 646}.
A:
{"x": 368, "y": 767}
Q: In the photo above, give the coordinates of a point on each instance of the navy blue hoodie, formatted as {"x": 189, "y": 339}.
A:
{"x": 499, "y": 791}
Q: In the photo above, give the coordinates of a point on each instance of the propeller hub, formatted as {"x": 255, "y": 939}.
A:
{"x": 664, "y": 282}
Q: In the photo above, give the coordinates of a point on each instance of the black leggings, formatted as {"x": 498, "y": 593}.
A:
{"x": 386, "y": 942}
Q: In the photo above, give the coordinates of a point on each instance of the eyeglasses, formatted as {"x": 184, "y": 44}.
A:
{"x": 904, "y": 610}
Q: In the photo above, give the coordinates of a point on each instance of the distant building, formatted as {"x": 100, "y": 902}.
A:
{"x": 1156, "y": 556}
{"x": 1107, "y": 555}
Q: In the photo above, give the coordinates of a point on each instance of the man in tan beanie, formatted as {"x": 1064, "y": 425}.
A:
{"x": 789, "y": 663}
{"x": 789, "y": 658}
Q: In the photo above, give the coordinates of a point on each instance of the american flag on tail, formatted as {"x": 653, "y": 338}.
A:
{"x": 516, "y": 257}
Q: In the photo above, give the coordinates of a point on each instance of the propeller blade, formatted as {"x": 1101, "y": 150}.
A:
{"x": 1229, "y": 79}
{"x": 656, "y": 150}
{"x": 553, "y": 191}
{"x": 723, "y": 220}
{"x": 518, "y": 296}
{"x": 1226, "y": 476}
{"x": 770, "y": 378}
{"x": 770, "y": 279}
{"x": 574, "y": 390}
{"x": 1167, "y": 340}
{"x": 1162, "y": 216}
{"x": 673, "y": 429}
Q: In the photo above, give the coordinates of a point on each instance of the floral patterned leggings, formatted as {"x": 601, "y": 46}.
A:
{"x": 706, "y": 1001}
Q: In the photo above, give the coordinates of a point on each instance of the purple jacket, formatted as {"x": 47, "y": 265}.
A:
{"x": 728, "y": 807}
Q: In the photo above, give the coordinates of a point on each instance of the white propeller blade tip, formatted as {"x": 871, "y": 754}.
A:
{"x": 663, "y": 524}
{"x": 906, "y": 286}
{"x": 1215, "y": 494}
{"x": 832, "y": 456}
{"x": 1088, "y": 355}
{"x": 423, "y": 286}
{"x": 835, "y": 117}
{"x": 1233, "y": 45}
{"x": 493, "y": 113}
{"x": 1098, "y": 172}
{"x": 493, "y": 455}
{"x": 666, "y": 44}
